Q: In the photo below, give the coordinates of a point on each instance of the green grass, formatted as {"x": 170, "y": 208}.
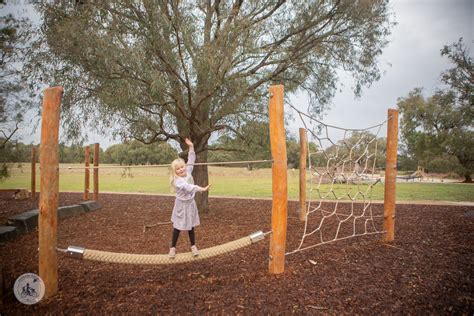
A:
{"x": 233, "y": 182}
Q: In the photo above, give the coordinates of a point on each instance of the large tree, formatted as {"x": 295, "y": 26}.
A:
{"x": 172, "y": 69}
{"x": 439, "y": 128}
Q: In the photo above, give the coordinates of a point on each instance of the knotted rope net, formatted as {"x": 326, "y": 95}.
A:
{"x": 343, "y": 169}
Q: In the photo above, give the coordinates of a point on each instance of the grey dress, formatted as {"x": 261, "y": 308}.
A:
{"x": 185, "y": 213}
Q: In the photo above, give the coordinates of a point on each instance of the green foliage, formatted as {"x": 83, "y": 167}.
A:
{"x": 131, "y": 153}
{"x": 363, "y": 148}
{"x": 459, "y": 79}
{"x": 168, "y": 70}
{"x": 443, "y": 164}
{"x": 12, "y": 152}
{"x": 439, "y": 130}
{"x": 71, "y": 154}
{"x": 406, "y": 163}
{"x": 293, "y": 152}
{"x": 15, "y": 98}
{"x": 160, "y": 70}
{"x": 137, "y": 153}
{"x": 253, "y": 143}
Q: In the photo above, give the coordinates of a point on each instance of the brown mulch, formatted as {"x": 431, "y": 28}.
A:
{"x": 428, "y": 269}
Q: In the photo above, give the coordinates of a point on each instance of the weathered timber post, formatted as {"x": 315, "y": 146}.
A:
{"x": 86, "y": 173}
{"x": 33, "y": 173}
{"x": 303, "y": 156}
{"x": 96, "y": 171}
{"x": 49, "y": 188}
{"x": 279, "y": 181}
{"x": 390, "y": 175}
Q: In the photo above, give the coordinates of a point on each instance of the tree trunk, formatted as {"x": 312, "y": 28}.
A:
{"x": 201, "y": 178}
{"x": 467, "y": 178}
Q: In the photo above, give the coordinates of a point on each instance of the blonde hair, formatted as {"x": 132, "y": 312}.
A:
{"x": 175, "y": 164}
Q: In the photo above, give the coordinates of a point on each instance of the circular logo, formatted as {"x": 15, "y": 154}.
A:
{"x": 29, "y": 289}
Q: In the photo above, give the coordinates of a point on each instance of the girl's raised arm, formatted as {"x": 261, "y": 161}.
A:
{"x": 191, "y": 156}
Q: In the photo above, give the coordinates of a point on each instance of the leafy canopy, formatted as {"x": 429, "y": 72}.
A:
{"x": 15, "y": 98}
{"x": 439, "y": 128}
{"x": 170, "y": 69}
{"x": 165, "y": 70}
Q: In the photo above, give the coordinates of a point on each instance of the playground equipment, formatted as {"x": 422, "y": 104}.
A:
{"x": 48, "y": 262}
{"x": 343, "y": 172}
{"x": 418, "y": 174}
{"x": 106, "y": 256}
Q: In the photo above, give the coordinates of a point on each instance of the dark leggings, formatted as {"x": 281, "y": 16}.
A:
{"x": 192, "y": 237}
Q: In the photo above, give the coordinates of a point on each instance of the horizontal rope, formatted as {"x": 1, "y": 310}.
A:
{"x": 126, "y": 258}
{"x": 301, "y": 114}
{"x": 167, "y": 165}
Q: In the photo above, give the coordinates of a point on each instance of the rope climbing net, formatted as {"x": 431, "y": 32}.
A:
{"x": 342, "y": 176}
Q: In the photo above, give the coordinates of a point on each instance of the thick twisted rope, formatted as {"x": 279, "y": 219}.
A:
{"x": 127, "y": 258}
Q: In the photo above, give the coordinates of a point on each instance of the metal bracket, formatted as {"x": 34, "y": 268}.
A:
{"x": 257, "y": 236}
{"x": 75, "y": 252}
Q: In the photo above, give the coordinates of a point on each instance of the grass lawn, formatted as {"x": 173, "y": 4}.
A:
{"x": 234, "y": 182}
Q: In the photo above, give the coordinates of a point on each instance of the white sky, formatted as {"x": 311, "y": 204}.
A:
{"x": 424, "y": 27}
{"x": 411, "y": 59}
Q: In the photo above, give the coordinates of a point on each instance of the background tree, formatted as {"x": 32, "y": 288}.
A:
{"x": 14, "y": 97}
{"x": 71, "y": 154}
{"x": 364, "y": 149}
{"x": 137, "y": 153}
{"x": 252, "y": 143}
{"x": 166, "y": 70}
{"x": 440, "y": 127}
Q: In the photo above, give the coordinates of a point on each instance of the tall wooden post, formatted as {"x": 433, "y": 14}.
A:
{"x": 390, "y": 175}
{"x": 49, "y": 187}
{"x": 96, "y": 171}
{"x": 279, "y": 181}
{"x": 86, "y": 173}
{"x": 33, "y": 173}
{"x": 303, "y": 156}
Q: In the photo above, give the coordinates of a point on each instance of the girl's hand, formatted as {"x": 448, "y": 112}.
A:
{"x": 203, "y": 189}
{"x": 189, "y": 142}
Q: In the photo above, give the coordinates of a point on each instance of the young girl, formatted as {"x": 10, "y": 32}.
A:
{"x": 185, "y": 213}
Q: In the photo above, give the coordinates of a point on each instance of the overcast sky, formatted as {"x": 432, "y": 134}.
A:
{"x": 411, "y": 59}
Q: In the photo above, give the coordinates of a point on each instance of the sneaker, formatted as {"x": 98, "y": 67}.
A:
{"x": 172, "y": 253}
{"x": 195, "y": 251}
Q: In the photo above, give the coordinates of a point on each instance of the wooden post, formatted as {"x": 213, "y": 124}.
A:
{"x": 390, "y": 175}
{"x": 49, "y": 188}
{"x": 87, "y": 151}
{"x": 279, "y": 181}
{"x": 303, "y": 156}
{"x": 96, "y": 171}
{"x": 33, "y": 173}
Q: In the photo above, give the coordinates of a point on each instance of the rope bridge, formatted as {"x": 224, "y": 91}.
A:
{"x": 342, "y": 172}
{"x": 158, "y": 259}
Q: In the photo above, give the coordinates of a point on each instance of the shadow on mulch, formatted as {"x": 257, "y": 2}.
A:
{"x": 427, "y": 270}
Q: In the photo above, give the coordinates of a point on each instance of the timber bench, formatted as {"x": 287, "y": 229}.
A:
{"x": 28, "y": 221}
